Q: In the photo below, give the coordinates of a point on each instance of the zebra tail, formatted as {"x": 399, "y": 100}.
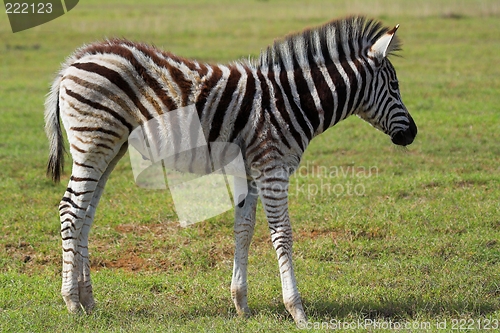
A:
{"x": 53, "y": 131}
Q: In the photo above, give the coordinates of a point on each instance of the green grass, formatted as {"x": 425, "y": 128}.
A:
{"x": 418, "y": 242}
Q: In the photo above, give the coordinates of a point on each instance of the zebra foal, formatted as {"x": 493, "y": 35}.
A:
{"x": 271, "y": 108}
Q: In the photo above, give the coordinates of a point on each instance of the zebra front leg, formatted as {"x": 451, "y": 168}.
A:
{"x": 274, "y": 196}
{"x": 244, "y": 224}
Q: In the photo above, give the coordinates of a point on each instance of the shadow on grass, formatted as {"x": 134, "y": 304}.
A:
{"x": 395, "y": 310}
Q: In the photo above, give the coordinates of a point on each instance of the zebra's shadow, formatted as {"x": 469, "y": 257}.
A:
{"x": 395, "y": 310}
{"x": 320, "y": 310}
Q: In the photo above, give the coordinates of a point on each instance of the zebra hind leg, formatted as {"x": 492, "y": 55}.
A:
{"x": 84, "y": 281}
{"x": 73, "y": 210}
{"x": 77, "y": 210}
{"x": 244, "y": 224}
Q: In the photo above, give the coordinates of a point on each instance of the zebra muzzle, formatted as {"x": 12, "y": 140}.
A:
{"x": 405, "y": 137}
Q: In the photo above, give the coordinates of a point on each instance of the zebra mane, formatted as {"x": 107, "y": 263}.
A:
{"x": 327, "y": 43}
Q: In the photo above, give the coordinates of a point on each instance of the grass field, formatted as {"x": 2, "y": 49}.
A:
{"x": 383, "y": 234}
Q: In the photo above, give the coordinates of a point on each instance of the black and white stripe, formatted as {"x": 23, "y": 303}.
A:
{"x": 271, "y": 108}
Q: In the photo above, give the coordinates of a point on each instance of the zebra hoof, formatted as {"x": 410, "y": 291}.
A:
{"x": 244, "y": 313}
{"x": 297, "y": 312}
{"x": 74, "y": 308}
{"x": 87, "y": 303}
{"x": 89, "y": 308}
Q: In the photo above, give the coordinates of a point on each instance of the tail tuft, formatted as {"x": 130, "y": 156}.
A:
{"x": 55, "y": 165}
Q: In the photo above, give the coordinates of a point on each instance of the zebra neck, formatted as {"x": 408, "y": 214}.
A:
{"x": 312, "y": 98}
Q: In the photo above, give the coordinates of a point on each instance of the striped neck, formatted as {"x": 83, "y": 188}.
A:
{"x": 319, "y": 75}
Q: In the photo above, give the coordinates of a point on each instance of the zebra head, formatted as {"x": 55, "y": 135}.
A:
{"x": 383, "y": 107}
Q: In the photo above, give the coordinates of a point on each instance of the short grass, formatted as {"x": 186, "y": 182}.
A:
{"x": 401, "y": 236}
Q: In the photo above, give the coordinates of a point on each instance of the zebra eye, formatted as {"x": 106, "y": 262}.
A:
{"x": 394, "y": 85}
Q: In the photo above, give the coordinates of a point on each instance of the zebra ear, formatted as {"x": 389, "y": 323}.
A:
{"x": 384, "y": 45}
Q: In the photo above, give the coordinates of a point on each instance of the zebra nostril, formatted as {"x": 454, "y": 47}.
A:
{"x": 399, "y": 139}
{"x": 406, "y": 137}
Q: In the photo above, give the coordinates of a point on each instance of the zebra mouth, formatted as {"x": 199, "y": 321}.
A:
{"x": 405, "y": 137}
